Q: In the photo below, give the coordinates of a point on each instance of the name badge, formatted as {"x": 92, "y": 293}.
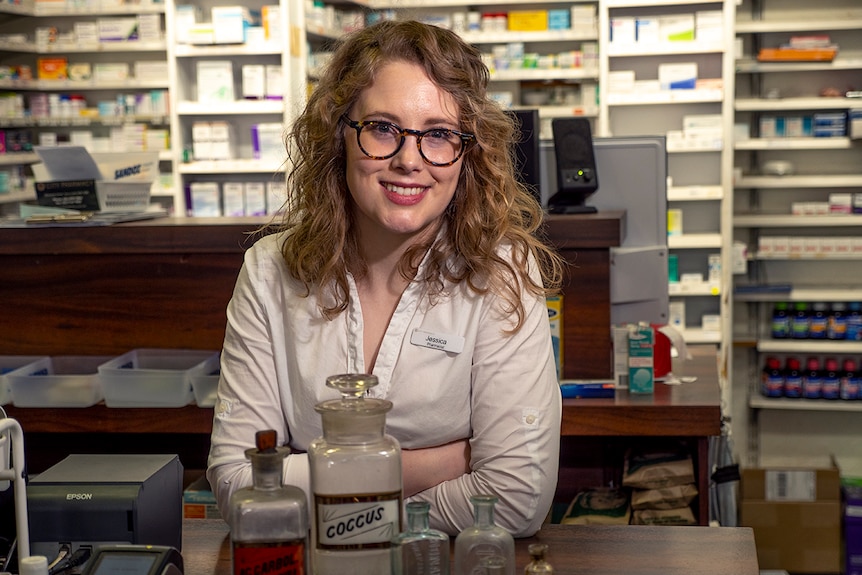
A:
{"x": 452, "y": 343}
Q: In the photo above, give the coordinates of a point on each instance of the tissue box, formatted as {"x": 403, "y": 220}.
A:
{"x": 641, "y": 373}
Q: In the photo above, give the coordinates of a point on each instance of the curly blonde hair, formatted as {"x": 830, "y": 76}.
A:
{"x": 490, "y": 208}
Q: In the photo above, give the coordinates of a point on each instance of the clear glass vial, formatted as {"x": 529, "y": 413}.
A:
{"x": 483, "y": 539}
{"x": 420, "y": 550}
{"x": 269, "y": 520}
{"x": 538, "y": 565}
{"x": 355, "y": 481}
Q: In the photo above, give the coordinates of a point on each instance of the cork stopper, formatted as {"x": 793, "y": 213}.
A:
{"x": 265, "y": 441}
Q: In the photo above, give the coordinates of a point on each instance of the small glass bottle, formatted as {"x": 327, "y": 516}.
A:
{"x": 830, "y": 387}
{"x": 818, "y": 321}
{"x": 269, "y": 520}
{"x": 355, "y": 481}
{"x": 483, "y": 539}
{"x": 837, "y": 325}
{"x": 420, "y": 550}
{"x": 538, "y": 565}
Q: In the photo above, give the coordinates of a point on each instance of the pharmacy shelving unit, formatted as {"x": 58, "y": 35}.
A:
{"x": 699, "y": 169}
{"x": 189, "y": 108}
{"x": 561, "y": 91}
{"x": 22, "y": 45}
{"x": 819, "y": 264}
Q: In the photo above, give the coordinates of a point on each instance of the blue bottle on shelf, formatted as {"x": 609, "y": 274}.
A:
{"x": 831, "y": 386}
{"x": 772, "y": 379}
{"x": 780, "y": 321}
{"x": 792, "y": 378}
{"x": 800, "y": 322}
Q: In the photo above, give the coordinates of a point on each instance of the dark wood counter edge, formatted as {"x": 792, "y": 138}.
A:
{"x": 592, "y": 549}
{"x": 192, "y": 235}
{"x": 161, "y": 235}
{"x": 102, "y": 419}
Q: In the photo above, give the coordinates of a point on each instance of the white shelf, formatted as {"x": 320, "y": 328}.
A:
{"x": 229, "y": 167}
{"x": 694, "y": 193}
{"x": 697, "y": 335}
{"x": 680, "y": 289}
{"x": 379, "y": 4}
{"x": 654, "y": 3}
{"x": 694, "y": 146}
{"x": 807, "y": 181}
{"x": 665, "y": 97}
{"x": 812, "y": 346}
{"x": 561, "y": 111}
{"x": 802, "y": 404}
{"x": 16, "y": 196}
{"x": 539, "y": 36}
{"x": 517, "y": 74}
{"x": 694, "y": 241}
{"x": 52, "y": 85}
{"x": 852, "y": 21}
{"x": 785, "y": 104}
{"x": 837, "y": 143}
{"x": 68, "y": 11}
{"x": 663, "y": 49}
{"x": 100, "y": 47}
{"x": 804, "y": 294}
{"x": 754, "y": 67}
{"x": 238, "y": 107}
{"x": 808, "y": 257}
{"x": 788, "y": 221}
{"x": 225, "y": 50}
{"x": 78, "y": 121}
{"x": 18, "y": 158}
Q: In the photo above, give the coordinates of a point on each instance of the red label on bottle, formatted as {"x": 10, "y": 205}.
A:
{"x": 268, "y": 559}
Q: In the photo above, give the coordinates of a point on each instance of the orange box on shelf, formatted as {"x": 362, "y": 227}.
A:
{"x": 52, "y": 68}
{"x": 797, "y": 54}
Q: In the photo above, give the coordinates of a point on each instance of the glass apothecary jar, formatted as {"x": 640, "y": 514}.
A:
{"x": 355, "y": 481}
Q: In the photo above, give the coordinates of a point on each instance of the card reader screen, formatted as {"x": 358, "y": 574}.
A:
{"x": 121, "y": 563}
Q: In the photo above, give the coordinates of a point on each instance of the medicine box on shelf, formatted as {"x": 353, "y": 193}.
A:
{"x": 153, "y": 377}
{"x": 57, "y": 381}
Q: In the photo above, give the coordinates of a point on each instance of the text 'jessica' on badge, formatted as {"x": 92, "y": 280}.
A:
{"x": 445, "y": 342}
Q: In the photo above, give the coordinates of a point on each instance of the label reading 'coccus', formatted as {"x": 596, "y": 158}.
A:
{"x": 353, "y": 522}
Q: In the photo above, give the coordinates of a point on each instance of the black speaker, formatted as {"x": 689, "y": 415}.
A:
{"x": 527, "y": 150}
{"x": 577, "y": 177}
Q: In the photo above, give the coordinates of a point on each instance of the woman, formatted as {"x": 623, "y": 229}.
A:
{"x": 404, "y": 222}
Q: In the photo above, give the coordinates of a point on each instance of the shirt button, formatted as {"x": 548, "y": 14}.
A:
{"x": 531, "y": 419}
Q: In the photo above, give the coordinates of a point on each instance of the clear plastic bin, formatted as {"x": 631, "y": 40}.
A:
{"x": 58, "y": 381}
{"x": 153, "y": 377}
{"x": 205, "y": 385}
{"x": 10, "y": 363}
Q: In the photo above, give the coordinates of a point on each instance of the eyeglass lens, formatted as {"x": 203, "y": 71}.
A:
{"x": 381, "y": 139}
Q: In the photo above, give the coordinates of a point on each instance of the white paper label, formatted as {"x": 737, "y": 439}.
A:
{"x": 343, "y": 523}
{"x": 791, "y": 485}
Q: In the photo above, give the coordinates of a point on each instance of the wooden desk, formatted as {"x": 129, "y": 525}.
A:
{"x": 690, "y": 412}
{"x": 572, "y": 550}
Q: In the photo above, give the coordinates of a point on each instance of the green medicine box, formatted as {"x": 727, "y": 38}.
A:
{"x": 641, "y": 375}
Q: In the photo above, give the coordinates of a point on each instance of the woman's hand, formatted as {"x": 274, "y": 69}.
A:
{"x": 430, "y": 466}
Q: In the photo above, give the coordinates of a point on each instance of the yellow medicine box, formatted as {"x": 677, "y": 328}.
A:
{"x": 528, "y": 20}
{"x": 52, "y": 68}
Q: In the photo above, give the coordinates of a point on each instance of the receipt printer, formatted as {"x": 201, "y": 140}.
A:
{"x": 92, "y": 500}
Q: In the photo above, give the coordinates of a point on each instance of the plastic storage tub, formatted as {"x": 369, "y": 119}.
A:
{"x": 205, "y": 385}
{"x": 58, "y": 381}
{"x": 10, "y": 363}
{"x": 153, "y": 377}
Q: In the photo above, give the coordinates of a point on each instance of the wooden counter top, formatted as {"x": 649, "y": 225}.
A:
{"x": 572, "y": 549}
